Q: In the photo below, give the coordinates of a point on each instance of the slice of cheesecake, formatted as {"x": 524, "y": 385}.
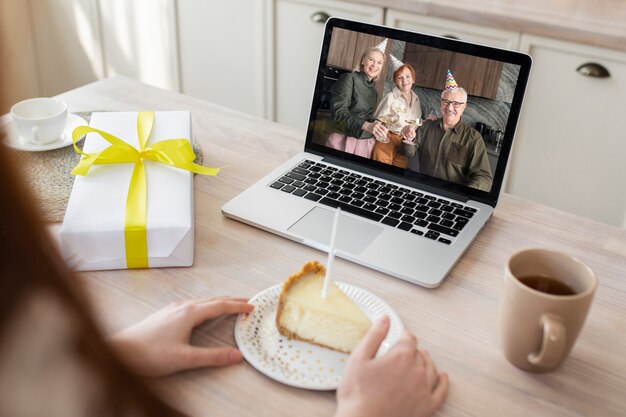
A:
{"x": 335, "y": 322}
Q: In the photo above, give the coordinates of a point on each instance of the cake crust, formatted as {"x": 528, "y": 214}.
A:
{"x": 311, "y": 267}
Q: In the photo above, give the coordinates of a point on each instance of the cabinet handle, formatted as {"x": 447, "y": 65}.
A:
{"x": 320, "y": 17}
{"x": 592, "y": 69}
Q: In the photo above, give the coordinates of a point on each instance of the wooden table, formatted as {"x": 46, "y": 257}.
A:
{"x": 457, "y": 322}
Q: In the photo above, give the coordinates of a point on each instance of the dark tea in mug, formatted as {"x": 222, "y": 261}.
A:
{"x": 547, "y": 285}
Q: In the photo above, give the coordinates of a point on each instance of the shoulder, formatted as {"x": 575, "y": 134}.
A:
{"x": 466, "y": 130}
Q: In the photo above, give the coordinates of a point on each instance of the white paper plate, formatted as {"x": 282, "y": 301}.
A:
{"x": 297, "y": 363}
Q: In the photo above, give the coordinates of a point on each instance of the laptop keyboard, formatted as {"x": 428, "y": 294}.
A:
{"x": 409, "y": 210}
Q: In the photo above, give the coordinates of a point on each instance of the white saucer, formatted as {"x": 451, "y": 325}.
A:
{"x": 17, "y": 142}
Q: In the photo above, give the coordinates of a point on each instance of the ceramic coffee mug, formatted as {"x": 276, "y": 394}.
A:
{"x": 545, "y": 300}
{"x": 40, "y": 120}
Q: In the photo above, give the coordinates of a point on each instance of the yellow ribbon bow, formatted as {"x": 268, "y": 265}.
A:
{"x": 174, "y": 152}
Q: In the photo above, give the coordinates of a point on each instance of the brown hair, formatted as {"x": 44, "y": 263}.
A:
{"x": 397, "y": 72}
{"x": 30, "y": 264}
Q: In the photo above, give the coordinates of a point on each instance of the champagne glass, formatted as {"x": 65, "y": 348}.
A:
{"x": 386, "y": 120}
{"x": 399, "y": 107}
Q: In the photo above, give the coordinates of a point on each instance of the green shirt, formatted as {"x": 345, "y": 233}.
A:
{"x": 458, "y": 155}
{"x": 352, "y": 102}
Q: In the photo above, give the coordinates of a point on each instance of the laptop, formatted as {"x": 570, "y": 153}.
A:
{"x": 411, "y": 217}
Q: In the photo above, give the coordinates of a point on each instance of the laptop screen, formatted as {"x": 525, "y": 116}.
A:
{"x": 422, "y": 110}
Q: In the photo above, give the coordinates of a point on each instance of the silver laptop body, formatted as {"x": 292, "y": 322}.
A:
{"x": 409, "y": 250}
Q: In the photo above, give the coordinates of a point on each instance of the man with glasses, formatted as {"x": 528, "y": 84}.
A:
{"x": 447, "y": 148}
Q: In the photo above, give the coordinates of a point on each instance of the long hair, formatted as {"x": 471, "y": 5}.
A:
{"x": 30, "y": 264}
{"x": 359, "y": 66}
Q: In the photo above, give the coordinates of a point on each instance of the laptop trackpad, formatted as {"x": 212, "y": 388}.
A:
{"x": 353, "y": 235}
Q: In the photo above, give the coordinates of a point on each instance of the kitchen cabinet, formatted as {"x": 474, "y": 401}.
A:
{"x": 299, "y": 27}
{"x": 499, "y": 38}
{"x": 226, "y": 54}
{"x": 569, "y": 150}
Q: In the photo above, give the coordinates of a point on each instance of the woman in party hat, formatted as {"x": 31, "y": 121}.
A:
{"x": 401, "y": 106}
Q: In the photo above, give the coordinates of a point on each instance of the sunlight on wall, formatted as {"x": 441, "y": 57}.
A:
{"x": 138, "y": 42}
{"x": 87, "y": 31}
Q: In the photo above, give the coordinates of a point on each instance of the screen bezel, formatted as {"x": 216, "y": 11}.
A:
{"x": 399, "y": 174}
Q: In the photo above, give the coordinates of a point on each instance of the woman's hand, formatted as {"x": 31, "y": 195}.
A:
{"x": 401, "y": 383}
{"x": 160, "y": 344}
{"x": 408, "y": 133}
{"x": 376, "y": 128}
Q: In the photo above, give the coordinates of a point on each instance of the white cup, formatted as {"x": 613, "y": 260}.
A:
{"x": 40, "y": 120}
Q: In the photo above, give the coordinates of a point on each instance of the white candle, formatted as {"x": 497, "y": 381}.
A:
{"x": 331, "y": 253}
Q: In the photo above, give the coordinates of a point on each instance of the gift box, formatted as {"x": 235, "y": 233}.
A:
{"x": 132, "y": 206}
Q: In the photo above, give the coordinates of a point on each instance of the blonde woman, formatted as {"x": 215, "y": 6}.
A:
{"x": 352, "y": 104}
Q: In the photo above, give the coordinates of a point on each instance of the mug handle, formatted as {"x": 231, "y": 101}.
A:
{"x": 35, "y": 135}
{"x": 553, "y": 343}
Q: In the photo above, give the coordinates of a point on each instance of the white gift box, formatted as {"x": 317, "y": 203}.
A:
{"x": 92, "y": 235}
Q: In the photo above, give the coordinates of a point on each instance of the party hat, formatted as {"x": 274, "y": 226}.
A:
{"x": 382, "y": 46}
{"x": 395, "y": 62}
{"x": 451, "y": 82}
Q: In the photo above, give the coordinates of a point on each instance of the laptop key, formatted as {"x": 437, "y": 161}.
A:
{"x": 345, "y": 199}
{"x": 447, "y": 223}
{"x": 444, "y": 240}
{"x": 277, "y": 185}
{"x": 286, "y": 180}
{"x": 464, "y": 213}
{"x": 382, "y": 210}
{"x": 295, "y": 176}
{"x": 288, "y": 188}
{"x": 417, "y": 232}
{"x": 300, "y": 171}
{"x": 442, "y": 229}
{"x": 448, "y": 216}
{"x": 351, "y": 209}
{"x": 421, "y": 223}
{"x": 432, "y": 235}
{"x": 460, "y": 223}
{"x": 405, "y": 226}
{"x": 299, "y": 192}
{"x": 408, "y": 219}
{"x": 370, "y": 206}
{"x": 310, "y": 188}
{"x": 433, "y": 219}
{"x": 390, "y": 221}
{"x": 395, "y": 215}
{"x": 333, "y": 195}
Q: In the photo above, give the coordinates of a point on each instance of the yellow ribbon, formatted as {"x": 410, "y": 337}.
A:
{"x": 174, "y": 152}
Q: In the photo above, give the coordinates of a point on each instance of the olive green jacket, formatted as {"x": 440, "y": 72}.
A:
{"x": 458, "y": 155}
{"x": 352, "y": 102}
